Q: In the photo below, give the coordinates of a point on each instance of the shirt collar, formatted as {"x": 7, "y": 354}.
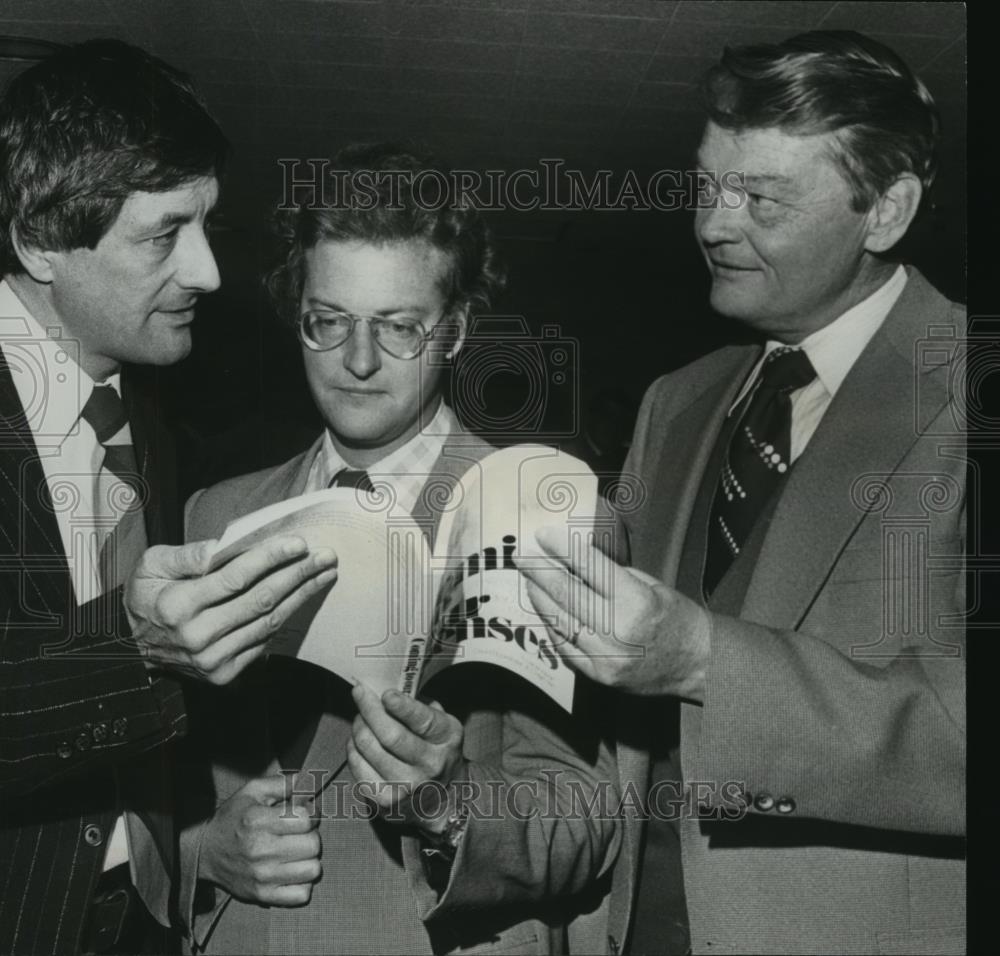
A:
{"x": 835, "y": 348}
{"x": 416, "y": 456}
{"x": 51, "y": 385}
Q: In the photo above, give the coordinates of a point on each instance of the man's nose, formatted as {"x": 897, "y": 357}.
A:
{"x": 362, "y": 356}
{"x": 198, "y": 270}
{"x": 718, "y": 223}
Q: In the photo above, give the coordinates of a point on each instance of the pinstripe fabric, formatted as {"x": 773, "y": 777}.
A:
{"x": 69, "y": 712}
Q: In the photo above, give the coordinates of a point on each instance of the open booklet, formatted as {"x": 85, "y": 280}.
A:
{"x": 402, "y": 610}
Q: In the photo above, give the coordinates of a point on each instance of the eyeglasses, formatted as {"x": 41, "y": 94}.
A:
{"x": 324, "y": 329}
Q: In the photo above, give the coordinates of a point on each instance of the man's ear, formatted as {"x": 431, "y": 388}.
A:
{"x": 461, "y": 319}
{"x": 892, "y": 213}
{"x": 38, "y": 263}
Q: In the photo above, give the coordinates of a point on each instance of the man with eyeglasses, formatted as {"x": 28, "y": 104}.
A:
{"x": 380, "y": 294}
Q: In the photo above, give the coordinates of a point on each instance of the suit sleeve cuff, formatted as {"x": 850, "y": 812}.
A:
{"x": 199, "y": 901}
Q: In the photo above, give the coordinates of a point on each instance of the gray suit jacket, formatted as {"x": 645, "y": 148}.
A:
{"x": 838, "y": 691}
{"x": 524, "y": 881}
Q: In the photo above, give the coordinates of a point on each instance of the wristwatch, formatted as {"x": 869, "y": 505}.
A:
{"x": 455, "y": 827}
{"x": 448, "y": 840}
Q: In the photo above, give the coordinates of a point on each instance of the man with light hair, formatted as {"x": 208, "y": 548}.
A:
{"x": 788, "y": 662}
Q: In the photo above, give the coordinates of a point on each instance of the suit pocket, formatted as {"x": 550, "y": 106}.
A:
{"x": 518, "y": 939}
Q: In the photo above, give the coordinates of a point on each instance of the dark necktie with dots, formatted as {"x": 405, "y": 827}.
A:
{"x": 120, "y": 505}
{"x": 758, "y": 458}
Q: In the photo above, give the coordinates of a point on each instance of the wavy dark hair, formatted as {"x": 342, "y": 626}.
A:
{"x": 835, "y": 81}
{"x": 379, "y": 198}
{"x": 86, "y": 127}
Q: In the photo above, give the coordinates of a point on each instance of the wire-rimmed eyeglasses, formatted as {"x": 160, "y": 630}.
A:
{"x": 324, "y": 329}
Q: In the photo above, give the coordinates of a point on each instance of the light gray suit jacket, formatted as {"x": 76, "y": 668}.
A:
{"x": 521, "y": 882}
{"x": 838, "y": 691}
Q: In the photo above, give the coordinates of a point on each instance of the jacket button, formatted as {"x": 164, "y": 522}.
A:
{"x": 100, "y": 732}
{"x": 92, "y": 835}
{"x": 764, "y": 802}
{"x": 64, "y": 750}
{"x": 786, "y": 805}
{"x": 83, "y": 742}
{"x": 119, "y": 726}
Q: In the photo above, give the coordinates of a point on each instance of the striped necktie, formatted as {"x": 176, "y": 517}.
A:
{"x": 121, "y": 491}
{"x": 351, "y": 478}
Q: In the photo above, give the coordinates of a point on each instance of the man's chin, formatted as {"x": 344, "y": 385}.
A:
{"x": 164, "y": 350}
{"x": 370, "y": 435}
{"x": 177, "y": 349}
{"x": 354, "y": 434}
{"x": 733, "y": 303}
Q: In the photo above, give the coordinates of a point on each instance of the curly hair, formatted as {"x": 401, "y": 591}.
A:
{"x": 86, "y": 127}
{"x": 380, "y": 198}
{"x": 833, "y": 81}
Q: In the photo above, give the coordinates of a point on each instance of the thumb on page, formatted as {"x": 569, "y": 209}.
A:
{"x": 267, "y": 791}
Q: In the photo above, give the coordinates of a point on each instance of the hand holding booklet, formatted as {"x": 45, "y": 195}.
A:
{"x": 403, "y": 609}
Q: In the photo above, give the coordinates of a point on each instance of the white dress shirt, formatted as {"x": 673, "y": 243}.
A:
{"x": 832, "y": 350}
{"x": 53, "y": 390}
{"x": 405, "y": 470}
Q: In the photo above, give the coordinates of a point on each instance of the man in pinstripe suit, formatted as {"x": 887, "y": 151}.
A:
{"x": 108, "y": 169}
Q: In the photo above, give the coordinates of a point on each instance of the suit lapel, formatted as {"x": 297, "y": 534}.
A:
{"x": 142, "y": 442}
{"x": 154, "y": 454}
{"x": 30, "y": 532}
{"x": 870, "y": 425}
{"x": 677, "y": 468}
{"x": 297, "y": 477}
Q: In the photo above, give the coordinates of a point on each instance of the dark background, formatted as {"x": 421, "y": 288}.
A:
{"x": 498, "y": 84}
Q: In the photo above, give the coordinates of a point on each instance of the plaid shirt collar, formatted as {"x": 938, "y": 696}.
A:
{"x": 405, "y": 470}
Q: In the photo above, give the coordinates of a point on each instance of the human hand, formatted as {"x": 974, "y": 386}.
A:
{"x": 211, "y": 625}
{"x": 399, "y": 745}
{"x": 620, "y": 627}
{"x": 262, "y": 849}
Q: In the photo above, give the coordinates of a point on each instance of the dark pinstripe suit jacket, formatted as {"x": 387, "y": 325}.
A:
{"x": 70, "y": 711}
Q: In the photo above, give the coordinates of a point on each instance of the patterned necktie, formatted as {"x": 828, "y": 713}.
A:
{"x": 350, "y": 478}
{"x": 120, "y": 490}
{"x": 757, "y": 460}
